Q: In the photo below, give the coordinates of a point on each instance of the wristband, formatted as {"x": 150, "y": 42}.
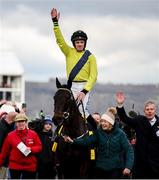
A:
{"x": 55, "y": 21}
{"x": 84, "y": 91}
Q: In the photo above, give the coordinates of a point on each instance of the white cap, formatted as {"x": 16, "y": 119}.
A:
{"x": 6, "y": 108}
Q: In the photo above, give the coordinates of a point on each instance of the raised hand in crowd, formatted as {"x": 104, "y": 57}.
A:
{"x": 120, "y": 98}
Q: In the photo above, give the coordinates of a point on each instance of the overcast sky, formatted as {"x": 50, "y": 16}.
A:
{"x": 122, "y": 34}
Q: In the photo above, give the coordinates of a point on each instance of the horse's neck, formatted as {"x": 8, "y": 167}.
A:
{"x": 77, "y": 125}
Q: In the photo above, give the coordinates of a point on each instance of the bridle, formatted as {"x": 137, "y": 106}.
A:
{"x": 66, "y": 114}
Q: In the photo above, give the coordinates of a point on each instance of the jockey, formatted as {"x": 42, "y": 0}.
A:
{"x": 84, "y": 81}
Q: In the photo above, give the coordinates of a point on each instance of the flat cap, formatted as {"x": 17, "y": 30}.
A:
{"x": 21, "y": 117}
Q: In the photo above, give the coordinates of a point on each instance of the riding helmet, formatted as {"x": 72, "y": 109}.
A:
{"x": 79, "y": 35}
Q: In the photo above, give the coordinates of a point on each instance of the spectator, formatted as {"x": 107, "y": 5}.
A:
{"x": 24, "y": 108}
{"x": 114, "y": 153}
{"x": 41, "y": 114}
{"x": 147, "y": 138}
{"x": 8, "y": 115}
{"x": 97, "y": 118}
{"x": 21, "y": 146}
{"x": 46, "y": 159}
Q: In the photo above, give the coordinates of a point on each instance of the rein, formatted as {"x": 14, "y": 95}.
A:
{"x": 59, "y": 133}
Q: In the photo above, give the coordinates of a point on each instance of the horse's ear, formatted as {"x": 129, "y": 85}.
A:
{"x": 58, "y": 84}
{"x": 69, "y": 83}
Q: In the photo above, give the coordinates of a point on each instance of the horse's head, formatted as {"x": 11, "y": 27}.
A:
{"x": 62, "y": 101}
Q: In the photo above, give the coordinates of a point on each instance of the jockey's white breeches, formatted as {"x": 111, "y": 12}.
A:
{"x": 76, "y": 88}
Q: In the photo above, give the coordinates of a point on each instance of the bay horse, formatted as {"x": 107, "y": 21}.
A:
{"x": 73, "y": 162}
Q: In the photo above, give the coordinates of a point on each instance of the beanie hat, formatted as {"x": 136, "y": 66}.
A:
{"x": 21, "y": 117}
{"x": 109, "y": 115}
{"x": 48, "y": 119}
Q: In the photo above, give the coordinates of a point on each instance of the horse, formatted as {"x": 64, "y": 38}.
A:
{"x": 73, "y": 162}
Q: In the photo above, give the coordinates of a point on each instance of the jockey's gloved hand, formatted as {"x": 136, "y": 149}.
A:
{"x": 84, "y": 91}
{"x": 54, "y": 19}
{"x": 80, "y": 96}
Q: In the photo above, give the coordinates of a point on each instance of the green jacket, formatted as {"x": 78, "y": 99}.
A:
{"x": 113, "y": 149}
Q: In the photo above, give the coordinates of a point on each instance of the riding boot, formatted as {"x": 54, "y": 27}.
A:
{"x": 91, "y": 122}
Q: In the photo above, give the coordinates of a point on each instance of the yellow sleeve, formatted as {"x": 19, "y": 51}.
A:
{"x": 61, "y": 41}
{"x": 93, "y": 73}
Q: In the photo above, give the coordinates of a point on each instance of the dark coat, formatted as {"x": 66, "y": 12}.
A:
{"x": 46, "y": 155}
{"x": 5, "y": 128}
{"x": 147, "y": 144}
{"x": 46, "y": 158}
